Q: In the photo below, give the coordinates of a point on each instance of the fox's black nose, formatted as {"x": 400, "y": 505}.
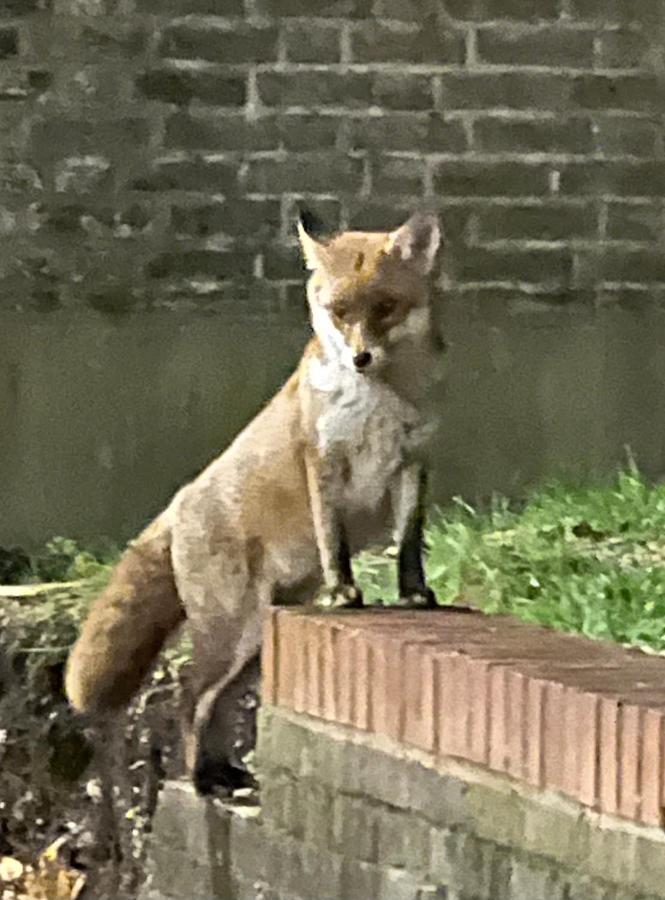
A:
{"x": 362, "y": 360}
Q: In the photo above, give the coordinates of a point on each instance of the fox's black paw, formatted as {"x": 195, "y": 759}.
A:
{"x": 219, "y": 776}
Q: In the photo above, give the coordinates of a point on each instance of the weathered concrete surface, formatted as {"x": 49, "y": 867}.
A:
{"x": 101, "y": 419}
{"x": 344, "y": 817}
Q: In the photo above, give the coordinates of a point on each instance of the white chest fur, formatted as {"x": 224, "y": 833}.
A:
{"x": 369, "y": 423}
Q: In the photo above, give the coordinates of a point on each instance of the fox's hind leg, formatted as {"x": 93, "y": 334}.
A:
{"x": 225, "y": 669}
{"x": 216, "y": 747}
{"x": 219, "y": 578}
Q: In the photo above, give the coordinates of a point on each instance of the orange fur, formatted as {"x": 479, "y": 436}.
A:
{"x": 127, "y": 626}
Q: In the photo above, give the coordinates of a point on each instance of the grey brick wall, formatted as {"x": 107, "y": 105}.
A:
{"x": 152, "y": 150}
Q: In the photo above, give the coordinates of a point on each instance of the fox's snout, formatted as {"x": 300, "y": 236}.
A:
{"x": 358, "y": 342}
{"x": 362, "y": 360}
{"x": 367, "y": 350}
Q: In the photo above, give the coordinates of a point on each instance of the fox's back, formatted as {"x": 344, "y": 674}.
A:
{"x": 252, "y": 501}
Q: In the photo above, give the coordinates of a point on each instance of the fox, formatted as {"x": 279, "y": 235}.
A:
{"x": 336, "y": 462}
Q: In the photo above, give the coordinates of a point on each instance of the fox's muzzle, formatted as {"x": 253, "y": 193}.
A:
{"x": 362, "y": 360}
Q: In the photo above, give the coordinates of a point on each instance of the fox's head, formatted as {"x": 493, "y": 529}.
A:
{"x": 369, "y": 291}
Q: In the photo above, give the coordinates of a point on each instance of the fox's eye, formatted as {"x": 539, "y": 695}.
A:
{"x": 340, "y": 311}
{"x": 385, "y": 308}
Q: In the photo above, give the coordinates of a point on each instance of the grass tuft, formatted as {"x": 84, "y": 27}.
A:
{"x": 580, "y": 559}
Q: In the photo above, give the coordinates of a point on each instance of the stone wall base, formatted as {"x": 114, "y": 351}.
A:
{"x": 346, "y": 815}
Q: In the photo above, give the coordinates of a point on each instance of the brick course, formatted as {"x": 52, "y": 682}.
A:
{"x": 584, "y": 719}
{"x": 367, "y": 106}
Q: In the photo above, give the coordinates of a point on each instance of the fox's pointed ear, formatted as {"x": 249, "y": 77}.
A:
{"x": 417, "y": 241}
{"x": 312, "y": 250}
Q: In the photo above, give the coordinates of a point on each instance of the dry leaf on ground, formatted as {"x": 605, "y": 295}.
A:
{"x": 51, "y": 879}
{"x": 10, "y": 869}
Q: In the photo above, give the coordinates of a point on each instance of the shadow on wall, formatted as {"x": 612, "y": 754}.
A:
{"x": 103, "y": 419}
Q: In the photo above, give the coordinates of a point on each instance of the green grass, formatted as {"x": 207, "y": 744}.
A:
{"x": 587, "y": 559}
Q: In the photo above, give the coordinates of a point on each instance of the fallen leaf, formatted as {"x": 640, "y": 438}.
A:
{"x": 77, "y": 887}
{"x": 10, "y": 869}
{"x": 51, "y": 852}
{"x": 52, "y": 880}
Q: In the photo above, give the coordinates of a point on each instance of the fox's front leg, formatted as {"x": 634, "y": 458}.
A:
{"x": 408, "y": 503}
{"x": 339, "y": 589}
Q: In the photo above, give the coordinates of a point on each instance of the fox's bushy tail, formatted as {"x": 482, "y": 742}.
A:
{"x": 127, "y": 625}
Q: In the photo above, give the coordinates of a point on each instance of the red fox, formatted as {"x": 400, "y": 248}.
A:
{"x": 335, "y": 462}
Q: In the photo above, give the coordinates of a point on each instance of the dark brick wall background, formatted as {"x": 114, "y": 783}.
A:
{"x": 152, "y": 152}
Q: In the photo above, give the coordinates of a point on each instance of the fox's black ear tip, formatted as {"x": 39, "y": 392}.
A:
{"x": 310, "y": 222}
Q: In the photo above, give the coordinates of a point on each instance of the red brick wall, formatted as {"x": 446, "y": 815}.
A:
{"x": 556, "y": 711}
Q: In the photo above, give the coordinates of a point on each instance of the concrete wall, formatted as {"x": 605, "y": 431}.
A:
{"x": 151, "y": 158}
{"x": 102, "y": 419}
{"x": 342, "y": 818}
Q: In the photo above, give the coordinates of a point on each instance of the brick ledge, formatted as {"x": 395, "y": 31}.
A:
{"x": 559, "y": 712}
